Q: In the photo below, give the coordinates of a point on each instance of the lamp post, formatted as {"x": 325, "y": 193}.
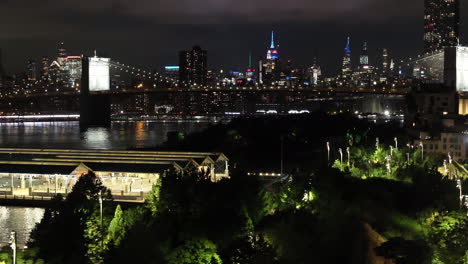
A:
{"x": 422, "y": 150}
{"x": 13, "y": 245}
{"x": 396, "y": 143}
{"x": 391, "y": 150}
{"x": 328, "y": 151}
{"x": 348, "y": 151}
{"x": 341, "y": 157}
{"x": 377, "y": 143}
{"x": 407, "y": 158}
{"x": 100, "y": 214}
{"x": 459, "y": 187}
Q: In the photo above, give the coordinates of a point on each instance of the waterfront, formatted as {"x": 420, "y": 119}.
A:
{"x": 20, "y": 219}
{"x": 121, "y": 135}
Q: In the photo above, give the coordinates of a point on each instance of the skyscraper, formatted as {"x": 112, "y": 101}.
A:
{"x": 45, "y": 64}
{"x": 346, "y": 69}
{"x": 31, "y": 70}
{"x": 441, "y": 24}
{"x": 193, "y": 66}
{"x": 271, "y": 64}
{"x": 385, "y": 62}
{"x": 364, "y": 58}
{"x": 61, "y": 52}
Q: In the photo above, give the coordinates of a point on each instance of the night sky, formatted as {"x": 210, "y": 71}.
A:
{"x": 149, "y": 33}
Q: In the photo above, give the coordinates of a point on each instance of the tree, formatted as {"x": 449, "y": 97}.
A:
{"x": 448, "y": 236}
{"x": 195, "y": 251}
{"x": 117, "y": 227}
{"x": 60, "y": 236}
{"x": 404, "y": 251}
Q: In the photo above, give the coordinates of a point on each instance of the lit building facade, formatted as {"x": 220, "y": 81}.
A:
{"x": 45, "y": 64}
{"x": 448, "y": 67}
{"x": 441, "y": 24}
{"x": 269, "y": 68}
{"x": 385, "y": 62}
{"x": 346, "y": 66}
{"x": 31, "y": 70}
{"x": 193, "y": 66}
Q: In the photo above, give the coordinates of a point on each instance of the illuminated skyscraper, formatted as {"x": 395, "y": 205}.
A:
{"x": 193, "y": 66}
{"x": 272, "y": 55}
{"x": 441, "y": 24}
{"x": 269, "y": 69}
{"x": 31, "y": 70}
{"x": 364, "y": 58}
{"x": 385, "y": 62}
{"x": 45, "y": 64}
{"x": 61, "y": 52}
{"x": 346, "y": 69}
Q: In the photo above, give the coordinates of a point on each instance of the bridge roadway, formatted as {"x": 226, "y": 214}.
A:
{"x": 316, "y": 91}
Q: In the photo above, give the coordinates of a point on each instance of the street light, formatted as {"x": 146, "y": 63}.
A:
{"x": 377, "y": 143}
{"x": 328, "y": 150}
{"x": 100, "y": 213}
{"x": 396, "y": 143}
{"x": 341, "y": 157}
{"x": 349, "y": 155}
{"x": 391, "y": 150}
{"x": 13, "y": 245}
{"x": 459, "y": 187}
{"x": 422, "y": 150}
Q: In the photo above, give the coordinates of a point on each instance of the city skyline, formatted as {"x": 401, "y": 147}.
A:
{"x": 228, "y": 45}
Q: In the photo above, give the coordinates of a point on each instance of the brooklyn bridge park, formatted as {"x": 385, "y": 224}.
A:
{"x": 306, "y": 189}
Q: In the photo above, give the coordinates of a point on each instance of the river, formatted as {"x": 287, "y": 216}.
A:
{"x": 121, "y": 135}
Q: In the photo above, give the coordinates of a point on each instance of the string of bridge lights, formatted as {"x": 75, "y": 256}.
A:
{"x": 138, "y": 72}
{"x": 143, "y": 73}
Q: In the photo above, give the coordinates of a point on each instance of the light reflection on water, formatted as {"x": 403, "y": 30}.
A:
{"x": 19, "y": 219}
{"x": 121, "y": 135}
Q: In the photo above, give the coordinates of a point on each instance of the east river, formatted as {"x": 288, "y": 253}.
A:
{"x": 121, "y": 135}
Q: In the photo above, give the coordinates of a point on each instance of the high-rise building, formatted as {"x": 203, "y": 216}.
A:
{"x": 272, "y": 56}
{"x": 441, "y": 24}
{"x": 385, "y": 62}
{"x": 61, "y": 52}
{"x": 171, "y": 72}
{"x": 45, "y": 64}
{"x": 364, "y": 58}
{"x": 346, "y": 68}
{"x": 270, "y": 68}
{"x": 193, "y": 66}
{"x": 31, "y": 70}
{"x": 72, "y": 67}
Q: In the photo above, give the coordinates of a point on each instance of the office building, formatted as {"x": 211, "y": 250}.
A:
{"x": 364, "y": 58}
{"x": 441, "y": 24}
{"x": 171, "y": 72}
{"x": 45, "y": 64}
{"x": 385, "y": 62}
{"x": 193, "y": 67}
{"x": 346, "y": 66}
{"x": 31, "y": 70}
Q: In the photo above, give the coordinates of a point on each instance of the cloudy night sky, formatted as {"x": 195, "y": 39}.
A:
{"x": 149, "y": 33}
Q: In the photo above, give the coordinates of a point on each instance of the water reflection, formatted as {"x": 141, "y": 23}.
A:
{"x": 121, "y": 135}
{"x": 19, "y": 219}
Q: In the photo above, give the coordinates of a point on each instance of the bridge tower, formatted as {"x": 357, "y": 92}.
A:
{"x": 95, "y": 99}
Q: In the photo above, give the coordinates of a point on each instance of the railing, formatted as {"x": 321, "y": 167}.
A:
{"x": 117, "y": 197}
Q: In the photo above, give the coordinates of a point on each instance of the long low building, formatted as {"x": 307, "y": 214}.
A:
{"x": 45, "y": 171}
